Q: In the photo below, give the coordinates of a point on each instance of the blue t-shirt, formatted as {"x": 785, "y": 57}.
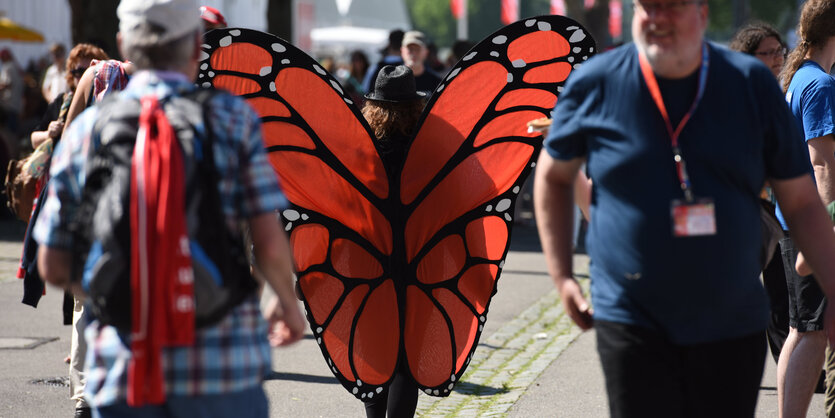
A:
{"x": 811, "y": 96}
{"x": 693, "y": 289}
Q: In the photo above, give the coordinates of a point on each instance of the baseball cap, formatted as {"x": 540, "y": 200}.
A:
{"x": 414, "y": 37}
{"x": 157, "y": 21}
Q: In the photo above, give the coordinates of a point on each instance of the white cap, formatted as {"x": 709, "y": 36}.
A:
{"x": 414, "y": 37}
{"x": 156, "y": 22}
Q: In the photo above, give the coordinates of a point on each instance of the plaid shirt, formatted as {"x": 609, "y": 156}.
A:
{"x": 233, "y": 355}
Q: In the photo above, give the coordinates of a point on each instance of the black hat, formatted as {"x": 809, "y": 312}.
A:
{"x": 395, "y": 84}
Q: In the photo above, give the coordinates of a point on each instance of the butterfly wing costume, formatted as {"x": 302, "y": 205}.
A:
{"x": 398, "y": 272}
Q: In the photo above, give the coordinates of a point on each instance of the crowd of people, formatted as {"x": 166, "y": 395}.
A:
{"x": 683, "y": 148}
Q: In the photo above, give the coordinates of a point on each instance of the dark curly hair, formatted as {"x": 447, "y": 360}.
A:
{"x": 392, "y": 118}
{"x": 815, "y": 28}
{"x": 749, "y": 37}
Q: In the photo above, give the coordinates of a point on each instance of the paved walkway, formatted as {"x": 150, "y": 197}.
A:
{"x": 531, "y": 362}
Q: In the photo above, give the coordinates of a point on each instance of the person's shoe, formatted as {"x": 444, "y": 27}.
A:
{"x": 83, "y": 412}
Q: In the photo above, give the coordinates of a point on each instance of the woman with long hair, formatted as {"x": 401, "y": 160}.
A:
{"x": 392, "y": 110}
{"x": 810, "y": 91}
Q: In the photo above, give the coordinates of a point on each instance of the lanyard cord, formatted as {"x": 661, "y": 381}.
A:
{"x": 655, "y": 92}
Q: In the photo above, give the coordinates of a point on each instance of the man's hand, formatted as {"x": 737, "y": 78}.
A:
{"x": 575, "y": 303}
{"x": 286, "y": 323}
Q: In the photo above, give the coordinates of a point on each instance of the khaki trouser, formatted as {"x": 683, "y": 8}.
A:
{"x": 78, "y": 350}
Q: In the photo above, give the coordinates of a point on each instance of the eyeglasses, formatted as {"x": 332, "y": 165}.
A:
{"x": 78, "y": 72}
{"x": 773, "y": 53}
{"x": 673, "y": 7}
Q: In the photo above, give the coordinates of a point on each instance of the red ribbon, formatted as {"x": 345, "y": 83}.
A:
{"x": 161, "y": 273}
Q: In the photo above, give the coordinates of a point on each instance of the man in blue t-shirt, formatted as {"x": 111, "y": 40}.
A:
{"x": 679, "y": 136}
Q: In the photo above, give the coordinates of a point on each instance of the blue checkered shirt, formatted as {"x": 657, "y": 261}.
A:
{"x": 231, "y": 356}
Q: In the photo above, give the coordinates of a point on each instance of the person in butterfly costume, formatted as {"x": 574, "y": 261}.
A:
{"x": 392, "y": 110}
{"x": 396, "y": 268}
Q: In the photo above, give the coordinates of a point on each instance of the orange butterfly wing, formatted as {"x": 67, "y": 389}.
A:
{"x": 331, "y": 172}
{"x": 460, "y": 181}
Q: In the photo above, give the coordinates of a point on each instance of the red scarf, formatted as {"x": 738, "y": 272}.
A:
{"x": 161, "y": 273}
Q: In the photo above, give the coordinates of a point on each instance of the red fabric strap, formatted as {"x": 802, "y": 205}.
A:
{"x": 161, "y": 273}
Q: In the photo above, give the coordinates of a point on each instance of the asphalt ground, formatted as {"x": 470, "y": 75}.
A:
{"x": 531, "y": 361}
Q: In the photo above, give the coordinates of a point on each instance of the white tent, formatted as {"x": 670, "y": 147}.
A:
{"x": 340, "y": 26}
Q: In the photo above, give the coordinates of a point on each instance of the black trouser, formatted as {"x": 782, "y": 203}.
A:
{"x": 774, "y": 280}
{"x": 648, "y": 376}
{"x": 401, "y": 400}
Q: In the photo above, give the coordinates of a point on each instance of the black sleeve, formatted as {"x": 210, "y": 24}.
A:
{"x": 51, "y": 114}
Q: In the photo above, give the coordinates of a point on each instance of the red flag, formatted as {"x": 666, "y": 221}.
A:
{"x": 510, "y": 11}
{"x": 558, "y": 7}
{"x": 457, "y": 7}
{"x": 615, "y": 15}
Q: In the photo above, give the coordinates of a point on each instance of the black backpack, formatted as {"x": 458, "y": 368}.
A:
{"x": 101, "y": 225}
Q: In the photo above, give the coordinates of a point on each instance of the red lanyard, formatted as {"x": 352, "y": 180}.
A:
{"x": 655, "y": 92}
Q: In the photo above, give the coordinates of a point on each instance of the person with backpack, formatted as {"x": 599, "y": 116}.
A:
{"x": 176, "y": 329}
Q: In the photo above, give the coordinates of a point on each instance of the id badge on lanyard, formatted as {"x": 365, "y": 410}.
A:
{"x": 690, "y": 216}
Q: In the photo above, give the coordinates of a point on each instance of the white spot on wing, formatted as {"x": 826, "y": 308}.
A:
{"x": 265, "y": 70}
{"x": 211, "y": 73}
{"x": 336, "y": 86}
{"x": 379, "y": 389}
{"x": 235, "y": 32}
{"x": 508, "y": 217}
{"x": 453, "y": 73}
{"x": 288, "y": 226}
{"x": 509, "y": 77}
{"x": 488, "y": 208}
{"x": 530, "y": 22}
{"x": 305, "y": 217}
{"x": 319, "y": 70}
{"x": 543, "y": 26}
{"x": 577, "y": 49}
{"x": 494, "y": 54}
{"x": 503, "y": 205}
{"x": 292, "y": 215}
{"x": 277, "y": 47}
{"x": 516, "y": 190}
{"x": 203, "y": 56}
{"x": 272, "y": 86}
{"x": 207, "y": 84}
{"x": 577, "y": 36}
{"x": 518, "y": 63}
{"x": 468, "y": 56}
{"x": 499, "y": 40}
{"x": 225, "y": 41}
{"x": 285, "y": 61}
{"x": 204, "y": 66}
